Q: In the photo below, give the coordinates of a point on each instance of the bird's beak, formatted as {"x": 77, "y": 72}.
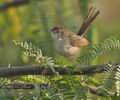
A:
{"x": 50, "y": 31}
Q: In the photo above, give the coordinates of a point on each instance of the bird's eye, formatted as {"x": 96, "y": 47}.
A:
{"x": 58, "y": 31}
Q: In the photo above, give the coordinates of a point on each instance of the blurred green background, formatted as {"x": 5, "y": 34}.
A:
{"x": 32, "y": 21}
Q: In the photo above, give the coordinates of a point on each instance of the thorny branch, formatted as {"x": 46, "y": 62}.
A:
{"x": 44, "y": 70}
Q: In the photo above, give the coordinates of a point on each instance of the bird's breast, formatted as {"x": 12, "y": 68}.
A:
{"x": 65, "y": 48}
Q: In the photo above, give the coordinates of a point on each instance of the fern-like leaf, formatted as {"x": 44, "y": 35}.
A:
{"x": 35, "y": 52}
{"x": 67, "y": 89}
{"x": 117, "y": 83}
{"x": 102, "y": 48}
{"x": 107, "y": 81}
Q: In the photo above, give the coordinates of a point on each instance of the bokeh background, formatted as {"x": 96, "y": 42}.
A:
{"x": 32, "y": 21}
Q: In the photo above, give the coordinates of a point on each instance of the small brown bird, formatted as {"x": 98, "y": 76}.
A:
{"x": 69, "y": 43}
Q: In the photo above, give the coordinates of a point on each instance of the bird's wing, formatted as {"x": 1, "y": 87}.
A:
{"x": 78, "y": 41}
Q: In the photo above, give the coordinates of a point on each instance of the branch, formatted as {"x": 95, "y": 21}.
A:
{"x": 24, "y": 86}
{"x": 13, "y": 4}
{"x": 41, "y": 70}
{"x": 92, "y": 89}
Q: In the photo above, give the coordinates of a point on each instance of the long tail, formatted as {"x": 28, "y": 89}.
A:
{"x": 92, "y": 14}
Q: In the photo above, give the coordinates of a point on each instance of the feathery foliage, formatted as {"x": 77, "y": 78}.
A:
{"x": 107, "y": 81}
{"x": 35, "y": 52}
{"x": 69, "y": 90}
{"x": 108, "y": 45}
{"x": 32, "y": 51}
{"x": 117, "y": 83}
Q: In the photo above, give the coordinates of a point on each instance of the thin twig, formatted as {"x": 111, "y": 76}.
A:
{"x": 94, "y": 90}
{"x": 13, "y": 4}
{"x": 24, "y": 86}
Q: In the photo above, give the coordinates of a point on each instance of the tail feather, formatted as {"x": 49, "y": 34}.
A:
{"x": 88, "y": 20}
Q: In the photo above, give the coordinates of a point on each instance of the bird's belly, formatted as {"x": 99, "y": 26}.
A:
{"x": 72, "y": 51}
{"x": 66, "y": 49}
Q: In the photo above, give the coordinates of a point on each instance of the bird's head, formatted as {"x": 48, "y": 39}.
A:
{"x": 57, "y": 29}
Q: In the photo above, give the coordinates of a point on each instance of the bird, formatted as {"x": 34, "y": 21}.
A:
{"x": 68, "y": 43}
